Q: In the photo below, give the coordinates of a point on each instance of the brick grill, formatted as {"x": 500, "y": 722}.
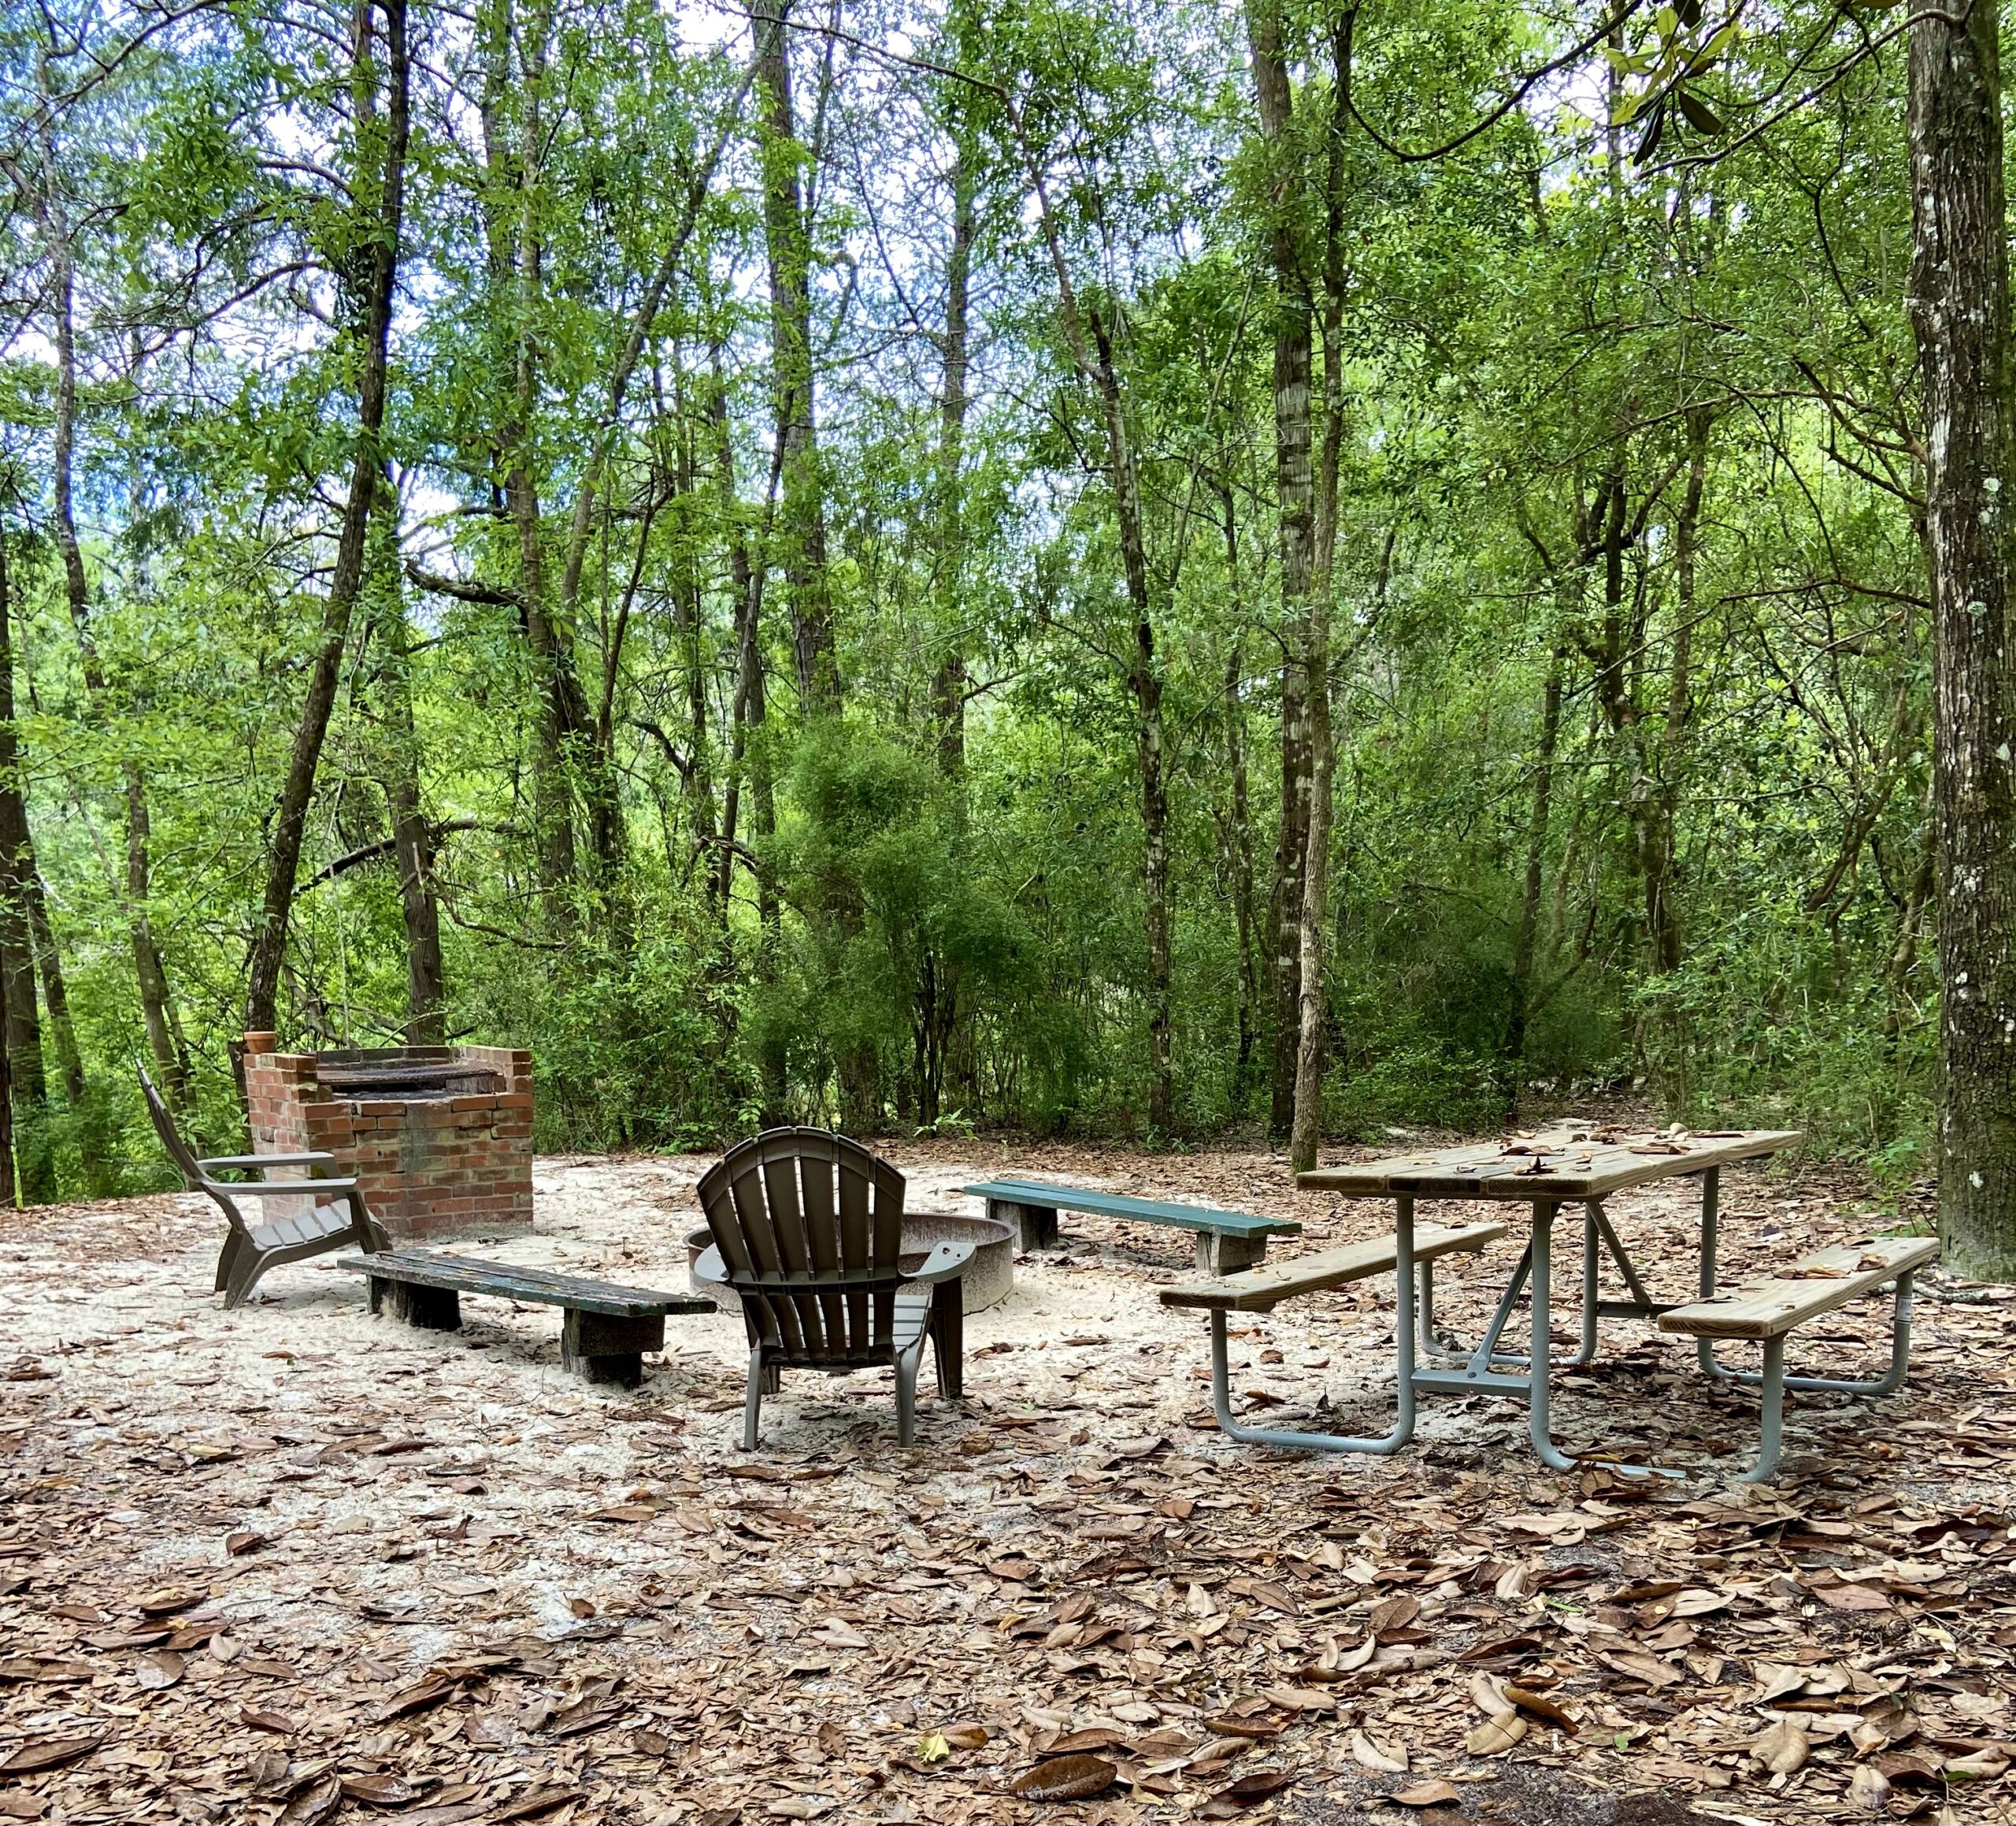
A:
{"x": 440, "y": 1138}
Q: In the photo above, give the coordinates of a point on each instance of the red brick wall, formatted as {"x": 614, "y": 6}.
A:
{"x": 430, "y": 1168}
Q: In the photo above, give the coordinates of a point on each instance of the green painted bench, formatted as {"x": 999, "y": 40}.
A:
{"x": 1226, "y": 1240}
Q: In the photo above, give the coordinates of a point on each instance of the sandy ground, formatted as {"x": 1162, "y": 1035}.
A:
{"x": 298, "y": 1563}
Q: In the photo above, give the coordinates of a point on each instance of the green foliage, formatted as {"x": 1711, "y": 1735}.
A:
{"x": 930, "y": 899}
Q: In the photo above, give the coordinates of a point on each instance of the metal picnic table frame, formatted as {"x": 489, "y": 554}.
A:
{"x": 1549, "y": 1171}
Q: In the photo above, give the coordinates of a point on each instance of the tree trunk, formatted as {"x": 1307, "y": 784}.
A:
{"x": 1961, "y": 310}
{"x": 1512, "y": 1054}
{"x": 787, "y": 241}
{"x": 1662, "y": 809}
{"x": 56, "y": 223}
{"x": 1294, "y": 313}
{"x": 412, "y": 839}
{"x": 28, "y": 1085}
{"x": 949, "y": 686}
{"x": 374, "y": 286}
{"x": 750, "y": 754}
{"x": 1307, "y": 1122}
{"x": 1239, "y": 842}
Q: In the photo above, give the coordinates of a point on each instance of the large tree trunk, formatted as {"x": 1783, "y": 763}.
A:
{"x": 27, "y": 1078}
{"x": 1960, "y": 306}
{"x": 373, "y": 286}
{"x": 1294, "y": 313}
{"x": 788, "y": 240}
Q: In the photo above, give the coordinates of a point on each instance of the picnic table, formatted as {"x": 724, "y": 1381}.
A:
{"x": 1575, "y": 1165}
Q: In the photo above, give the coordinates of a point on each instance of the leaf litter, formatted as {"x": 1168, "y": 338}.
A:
{"x": 294, "y": 1565}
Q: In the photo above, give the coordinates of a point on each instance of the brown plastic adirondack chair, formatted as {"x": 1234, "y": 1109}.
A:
{"x": 312, "y": 1228}
{"x": 807, "y": 1228}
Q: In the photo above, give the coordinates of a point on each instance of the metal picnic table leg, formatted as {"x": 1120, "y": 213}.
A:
{"x": 1711, "y": 1202}
{"x": 1403, "y": 1355}
{"x": 1540, "y": 1365}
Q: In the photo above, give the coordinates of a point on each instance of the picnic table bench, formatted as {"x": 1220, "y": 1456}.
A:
{"x": 1227, "y": 1241}
{"x": 603, "y": 1336}
{"x": 1765, "y": 1311}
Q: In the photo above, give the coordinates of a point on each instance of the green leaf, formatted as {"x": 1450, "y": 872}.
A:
{"x": 1700, "y": 116}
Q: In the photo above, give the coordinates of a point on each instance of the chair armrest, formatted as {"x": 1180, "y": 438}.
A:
{"x": 252, "y": 1162}
{"x": 274, "y": 1188}
{"x": 946, "y": 1262}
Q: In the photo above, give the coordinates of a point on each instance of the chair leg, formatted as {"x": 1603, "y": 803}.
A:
{"x": 752, "y": 1406}
{"x": 234, "y": 1245}
{"x": 948, "y": 1339}
{"x": 244, "y": 1275}
{"x": 907, "y": 1369}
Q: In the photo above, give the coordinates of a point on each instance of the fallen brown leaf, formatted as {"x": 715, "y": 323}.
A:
{"x": 1063, "y": 1778}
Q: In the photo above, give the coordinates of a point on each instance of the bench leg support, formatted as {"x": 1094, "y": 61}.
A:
{"x": 1771, "y": 1434}
{"x": 1891, "y": 1380}
{"x": 606, "y": 1350}
{"x": 431, "y": 1309}
{"x": 1218, "y": 1254}
{"x": 1035, "y": 1225}
{"x": 1403, "y": 1323}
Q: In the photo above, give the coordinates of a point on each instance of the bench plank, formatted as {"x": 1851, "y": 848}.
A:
{"x": 1257, "y": 1289}
{"x": 535, "y": 1285}
{"x": 1769, "y": 1308}
{"x": 1055, "y": 1198}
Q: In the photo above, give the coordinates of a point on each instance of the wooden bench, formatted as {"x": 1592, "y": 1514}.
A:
{"x": 603, "y": 1336}
{"x": 1260, "y": 1290}
{"x": 1767, "y": 1311}
{"x": 1226, "y": 1240}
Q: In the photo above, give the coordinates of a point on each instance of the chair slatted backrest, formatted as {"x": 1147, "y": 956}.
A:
{"x": 178, "y": 1150}
{"x": 804, "y": 1203}
{"x": 170, "y": 1137}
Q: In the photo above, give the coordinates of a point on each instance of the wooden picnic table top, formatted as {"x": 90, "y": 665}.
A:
{"x": 1566, "y": 1163}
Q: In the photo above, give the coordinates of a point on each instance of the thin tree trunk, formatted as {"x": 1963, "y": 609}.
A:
{"x": 1662, "y": 911}
{"x": 1512, "y": 1054}
{"x": 750, "y": 754}
{"x": 689, "y": 624}
{"x": 1096, "y": 366}
{"x": 56, "y": 224}
{"x": 787, "y": 241}
{"x": 1239, "y": 838}
{"x": 1293, "y": 314}
{"x": 28, "y": 1085}
{"x": 562, "y": 713}
{"x": 379, "y": 267}
{"x": 949, "y": 686}
{"x": 412, "y": 839}
{"x": 1961, "y": 310}
{"x": 1306, "y": 1130}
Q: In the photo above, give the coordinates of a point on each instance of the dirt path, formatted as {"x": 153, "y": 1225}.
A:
{"x": 298, "y": 1563}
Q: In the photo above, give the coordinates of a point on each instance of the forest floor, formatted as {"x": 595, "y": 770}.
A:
{"x": 297, "y": 1564}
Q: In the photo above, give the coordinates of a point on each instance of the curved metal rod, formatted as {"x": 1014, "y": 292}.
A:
{"x": 1887, "y": 1383}
{"x": 1403, "y": 1353}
